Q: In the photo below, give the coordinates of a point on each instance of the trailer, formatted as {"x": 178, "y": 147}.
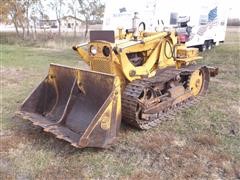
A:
{"x": 199, "y": 24}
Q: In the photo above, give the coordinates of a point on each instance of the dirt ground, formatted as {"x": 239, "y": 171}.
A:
{"x": 203, "y": 142}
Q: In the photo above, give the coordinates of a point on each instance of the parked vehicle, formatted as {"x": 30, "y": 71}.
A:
{"x": 202, "y": 26}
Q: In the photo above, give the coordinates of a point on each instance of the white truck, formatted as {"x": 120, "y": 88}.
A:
{"x": 199, "y": 24}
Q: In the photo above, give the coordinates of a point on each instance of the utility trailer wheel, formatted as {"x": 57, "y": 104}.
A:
{"x": 203, "y": 47}
{"x": 210, "y": 45}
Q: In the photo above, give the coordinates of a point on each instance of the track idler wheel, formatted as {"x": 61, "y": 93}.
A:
{"x": 198, "y": 81}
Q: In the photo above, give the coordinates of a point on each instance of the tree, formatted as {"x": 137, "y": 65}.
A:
{"x": 18, "y": 12}
{"x": 4, "y": 11}
{"x": 34, "y": 19}
{"x": 57, "y": 6}
{"x": 74, "y": 10}
{"x": 40, "y": 9}
{"x": 9, "y": 12}
{"x": 90, "y": 10}
{"x": 29, "y": 7}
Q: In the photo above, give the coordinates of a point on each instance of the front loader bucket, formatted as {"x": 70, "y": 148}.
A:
{"x": 79, "y": 106}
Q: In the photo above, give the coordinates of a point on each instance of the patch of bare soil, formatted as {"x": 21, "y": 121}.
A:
{"x": 22, "y": 132}
{"x": 11, "y": 77}
{"x": 55, "y": 172}
{"x": 236, "y": 108}
{"x": 225, "y": 83}
{"x": 8, "y": 142}
{"x": 11, "y": 141}
{"x": 157, "y": 141}
{"x": 168, "y": 156}
{"x": 206, "y": 139}
{"x": 48, "y": 49}
{"x": 227, "y": 70}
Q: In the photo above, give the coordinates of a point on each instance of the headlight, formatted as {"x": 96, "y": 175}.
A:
{"x": 106, "y": 51}
{"x": 93, "y": 50}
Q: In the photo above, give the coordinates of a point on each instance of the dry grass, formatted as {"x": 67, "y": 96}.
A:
{"x": 155, "y": 142}
{"x": 43, "y": 40}
{"x": 206, "y": 139}
{"x": 144, "y": 175}
{"x": 50, "y": 39}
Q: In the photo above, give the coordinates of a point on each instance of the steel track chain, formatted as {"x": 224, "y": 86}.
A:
{"x": 135, "y": 88}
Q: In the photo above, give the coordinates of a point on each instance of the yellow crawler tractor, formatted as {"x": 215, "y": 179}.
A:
{"x": 139, "y": 77}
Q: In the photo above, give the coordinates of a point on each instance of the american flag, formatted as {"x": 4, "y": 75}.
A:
{"x": 212, "y": 21}
{"x": 212, "y": 15}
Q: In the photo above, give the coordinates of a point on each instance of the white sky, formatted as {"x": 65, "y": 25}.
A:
{"x": 234, "y": 7}
{"x": 234, "y": 11}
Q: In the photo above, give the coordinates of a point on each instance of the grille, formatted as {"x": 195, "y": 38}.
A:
{"x": 102, "y": 66}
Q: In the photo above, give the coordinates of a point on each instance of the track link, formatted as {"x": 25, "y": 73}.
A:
{"x": 130, "y": 99}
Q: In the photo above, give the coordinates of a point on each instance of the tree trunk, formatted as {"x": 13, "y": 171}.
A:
{"x": 75, "y": 28}
{"x": 86, "y": 28}
{"x": 59, "y": 27}
{"x": 16, "y": 27}
{"x": 35, "y": 31}
{"x": 14, "y": 20}
{"x": 23, "y": 30}
{"x": 28, "y": 31}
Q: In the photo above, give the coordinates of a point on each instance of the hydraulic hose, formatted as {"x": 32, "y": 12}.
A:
{"x": 171, "y": 49}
